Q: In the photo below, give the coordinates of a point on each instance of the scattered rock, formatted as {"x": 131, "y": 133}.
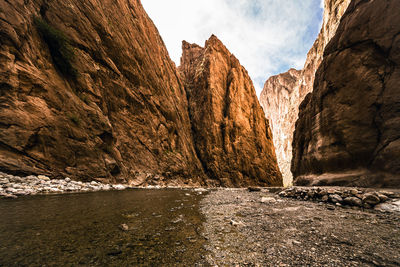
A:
{"x": 382, "y": 197}
{"x": 295, "y": 242}
{"x": 235, "y": 223}
{"x": 393, "y": 206}
{"x": 43, "y": 177}
{"x": 335, "y": 198}
{"x": 124, "y": 227}
{"x": 119, "y": 187}
{"x": 268, "y": 200}
{"x": 353, "y": 201}
{"x": 366, "y": 198}
{"x": 200, "y": 190}
{"x": 370, "y": 199}
{"x": 14, "y": 186}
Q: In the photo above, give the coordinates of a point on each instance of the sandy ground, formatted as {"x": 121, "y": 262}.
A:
{"x": 241, "y": 230}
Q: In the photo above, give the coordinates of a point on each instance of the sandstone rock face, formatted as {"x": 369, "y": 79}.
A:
{"x": 87, "y": 90}
{"x": 282, "y": 94}
{"x": 278, "y": 101}
{"x": 348, "y": 131}
{"x": 232, "y": 137}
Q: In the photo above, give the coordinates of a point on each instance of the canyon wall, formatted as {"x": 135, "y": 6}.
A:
{"x": 231, "y": 134}
{"x": 348, "y": 131}
{"x": 88, "y": 91}
{"x": 283, "y": 93}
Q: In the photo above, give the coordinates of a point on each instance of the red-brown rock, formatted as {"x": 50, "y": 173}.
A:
{"x": 115, "y": 111}
{"x": 348, "y": 131}
{"x": 232, "y": 137}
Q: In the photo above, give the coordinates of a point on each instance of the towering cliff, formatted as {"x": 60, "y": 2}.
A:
{"x": 88, "y": 91}
{"x": 283, "y": 93}
{"x": 232, "y": 137}
{"x": 348, "y": 131}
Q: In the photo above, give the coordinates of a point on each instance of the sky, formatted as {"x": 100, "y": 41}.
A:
{"x": 267, "y": 36}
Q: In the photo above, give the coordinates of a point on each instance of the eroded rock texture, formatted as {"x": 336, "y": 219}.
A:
{"x": 279, "y": 99}
{"x": 232, "y": 137}
{"x": 283, "y": 93}
{"x": 349, "y": 127}
{"x": 115, "y": 110}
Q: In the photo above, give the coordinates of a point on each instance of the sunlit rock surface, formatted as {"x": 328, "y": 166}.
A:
{"x": 231, "y": 134}
{"x": 122, "y": 115}
{"x": 282, "y": 94}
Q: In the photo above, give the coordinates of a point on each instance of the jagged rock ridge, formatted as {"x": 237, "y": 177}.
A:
{"x": 283, "y": 93}
{"x": 232, "y": 136}
{"x": 348, "y": 131}
{"x": 88, "y": 91}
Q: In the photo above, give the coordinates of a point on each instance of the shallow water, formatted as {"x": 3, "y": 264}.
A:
{"x": 84, "y": 229}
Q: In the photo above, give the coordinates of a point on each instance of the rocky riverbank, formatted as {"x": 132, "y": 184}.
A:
{"x": 259, "y": 228}
{"x": 346, "y": 196}
{"x": 13, "y": 186}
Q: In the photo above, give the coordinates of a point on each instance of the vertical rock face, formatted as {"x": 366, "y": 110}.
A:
{"x": 232, "y": 137}
{"x": 348, "y": 131}
{"x": 282, "y": 94}
{"x": 87, "y": 90}
{"x": 279, "y": 99}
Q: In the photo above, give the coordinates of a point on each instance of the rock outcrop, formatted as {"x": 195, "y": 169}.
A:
{"x": 87, "y": 90}
{"x": 232, "y": 136}
{"x": 279, "y": 99}
{"x": 283, "y": 93}
{"x": 348, "y": 131}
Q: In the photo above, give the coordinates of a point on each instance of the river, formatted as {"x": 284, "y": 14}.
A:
{"x": 114, "y": 228}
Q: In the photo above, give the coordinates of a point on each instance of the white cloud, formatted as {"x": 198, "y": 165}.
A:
{"x": 267, "y": 36}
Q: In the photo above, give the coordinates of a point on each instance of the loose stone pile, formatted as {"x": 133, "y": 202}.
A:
{"x": 12, "y": 186}
{"x": 342, "y": 196}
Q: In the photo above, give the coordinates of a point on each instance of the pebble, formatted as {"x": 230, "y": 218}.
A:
{"x": 268, "y": 200}
{"x": 124, "y": 227}
{"x": 235, "y": 223}
{"x": 335, "y": 198}
{"x": 43, "y": 177}
{"x": 200, "y": 190}
{"x": 119, "y": 187}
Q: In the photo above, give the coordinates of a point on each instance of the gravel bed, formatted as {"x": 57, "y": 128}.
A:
{"x": 245, "y": 228}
